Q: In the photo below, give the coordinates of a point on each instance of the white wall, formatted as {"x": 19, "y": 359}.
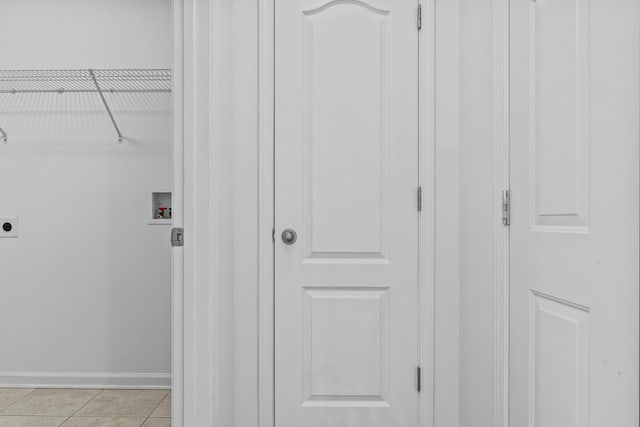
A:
{"x": 447, "y": 211}
{"x": 478, "y": 219}
{"x": 86, "y": 289}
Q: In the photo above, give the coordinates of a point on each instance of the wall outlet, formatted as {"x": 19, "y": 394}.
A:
{"x": 9, "y": 226}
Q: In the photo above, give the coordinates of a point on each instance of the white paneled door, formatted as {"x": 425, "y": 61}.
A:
{"x": 346, "y": 231}
{"x": 574, "y": 233}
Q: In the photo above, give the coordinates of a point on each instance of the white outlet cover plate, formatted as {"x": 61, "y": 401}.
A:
{"x": 13, "y": 220}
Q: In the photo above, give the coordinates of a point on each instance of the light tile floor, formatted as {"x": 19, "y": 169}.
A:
{"x": 84, "y": 408}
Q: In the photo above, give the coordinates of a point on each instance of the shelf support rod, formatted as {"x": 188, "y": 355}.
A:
{"x": 4, "y": 136}
{"x": 106, "y": 105}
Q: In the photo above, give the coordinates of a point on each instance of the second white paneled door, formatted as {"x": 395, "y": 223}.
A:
{"x": 575, "y": 100}
{"x": 346, "y": 231}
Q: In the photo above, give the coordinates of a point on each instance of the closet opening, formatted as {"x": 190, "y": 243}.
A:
{"x": 86, "y": 206}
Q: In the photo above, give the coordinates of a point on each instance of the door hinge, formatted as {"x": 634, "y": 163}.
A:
{"x": 506, "y": 207}
{"x": 419, "y": 379}
{"x": 419, "y": 17}
{"x": 273, "y": 235}
{"x": 419, "y": 199}
{"x": 177, "y": 237}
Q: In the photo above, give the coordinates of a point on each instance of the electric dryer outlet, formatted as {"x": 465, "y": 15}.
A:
{"x": 9, "y": 226}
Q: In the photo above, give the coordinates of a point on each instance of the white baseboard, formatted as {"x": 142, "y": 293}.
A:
{"x": 84, "y": 380}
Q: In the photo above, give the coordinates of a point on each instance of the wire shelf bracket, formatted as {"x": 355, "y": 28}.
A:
{"x": 98, "y": 81}
{"x": 106, "y": 105}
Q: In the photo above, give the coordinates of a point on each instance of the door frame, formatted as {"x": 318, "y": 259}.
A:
{"x": 266, "y": 273}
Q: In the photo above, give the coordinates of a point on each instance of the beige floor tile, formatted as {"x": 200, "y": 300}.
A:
{"x": 103, "y": 422}
{"x": 11, "y": 421}
{"x": 164, "y": 409}
{"x": 157, "y": 422}
{"x": 125, "y": 403}
{"x": 51, "y": 402}
{"x": 9, "y": 396}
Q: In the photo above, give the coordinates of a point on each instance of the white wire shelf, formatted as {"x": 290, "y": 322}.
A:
{"x": 86, "y": 81}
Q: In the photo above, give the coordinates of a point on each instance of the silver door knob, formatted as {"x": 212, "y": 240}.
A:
{"x": 289, "y": 236}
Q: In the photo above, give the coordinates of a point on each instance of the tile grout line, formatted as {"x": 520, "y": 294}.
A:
{"x": 23, "y": 397}
{"x": 82, "y": 406}
{"x": 154, "y": 409}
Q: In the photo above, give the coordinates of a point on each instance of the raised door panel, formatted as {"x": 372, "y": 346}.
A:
{"x": 346, "y": 355}
{"x": 559, "y": 362}
{"x": 346, "y": 129}
{"x": 559, "y": 114}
